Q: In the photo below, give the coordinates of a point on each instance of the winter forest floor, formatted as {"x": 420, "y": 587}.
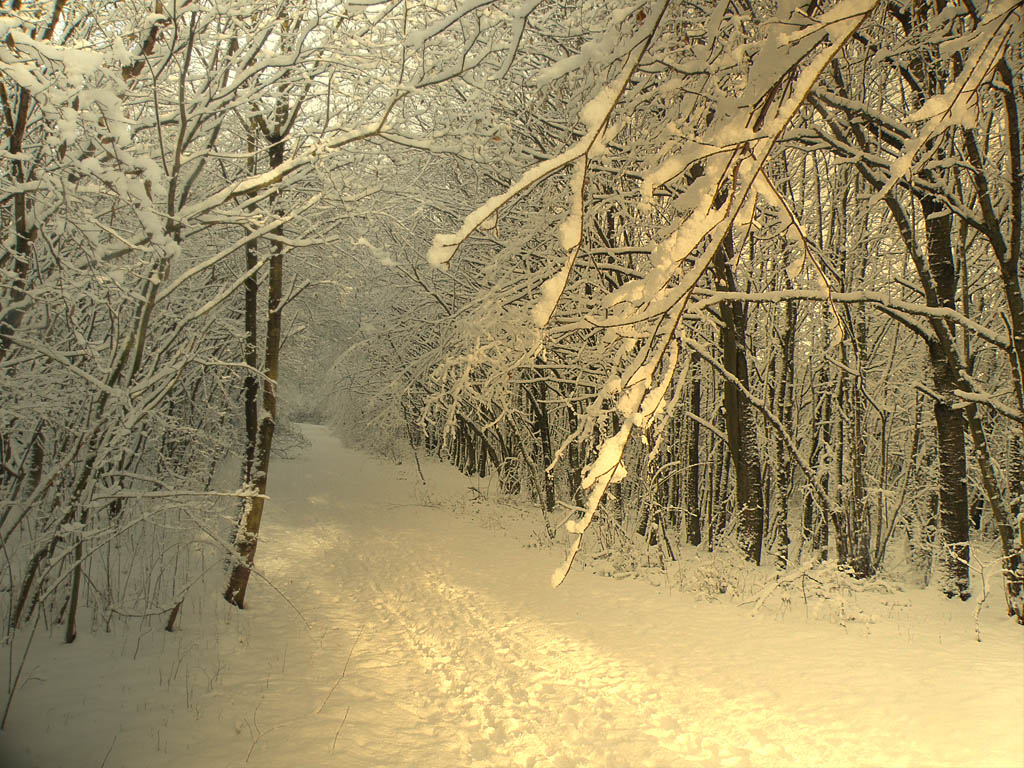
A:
{"x": 429, "y": 636}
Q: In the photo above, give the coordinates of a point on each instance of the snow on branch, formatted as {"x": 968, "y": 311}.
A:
{"x": 594, "y": 114}
{"x": 723, "y": 191}
{"x": 641, "y": 400}
{"x": 985, "y": 398}
{"x": 856, "y": 297}
{"x": 954, "y": 106}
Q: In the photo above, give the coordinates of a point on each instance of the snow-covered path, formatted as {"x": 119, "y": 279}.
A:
{"x": 430, "y": 640}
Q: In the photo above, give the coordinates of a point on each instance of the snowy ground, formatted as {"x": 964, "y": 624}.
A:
{"x": 429, "y": 639}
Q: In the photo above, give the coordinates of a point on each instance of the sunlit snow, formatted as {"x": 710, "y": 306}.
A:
{"x": 403, "y": 625}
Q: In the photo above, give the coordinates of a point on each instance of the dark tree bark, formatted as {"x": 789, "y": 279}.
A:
{"x": 740, "y": 417}
{"x": 950, "y": 426}
{"x": 247, "y": 532}
{"x": 542, "y": 434}
{"x": 854, "y": 531}
{"x": 815, "y": 523}
{"x": 786, "y": 375}
{"x": 574, "y": 465}
{"x": 481, "y": 461}
{"x": 718, "y": 472}
{"x": 691, "y": 497}
{"x": 251, "y": 383}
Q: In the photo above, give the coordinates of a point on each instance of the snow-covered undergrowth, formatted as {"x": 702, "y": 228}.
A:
{"x": 812, "y": 591}
{"x": 142, "y": 572}
{"x": 402, "y": 624}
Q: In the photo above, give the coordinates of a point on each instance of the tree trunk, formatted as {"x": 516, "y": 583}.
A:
{"x": 693, "y": 464}
{"x": 814, "y": 522}
{"x": 718, "y": 470}
{"x": 251, "y": 384}
{"x": 857, "y": 547}
{"x": 542, "y": 433}
{"x": 247, "y": 533}
{"x": 950, "y": 426}
{"x": 741, "y": 422}
{"x": 784, "y": 460}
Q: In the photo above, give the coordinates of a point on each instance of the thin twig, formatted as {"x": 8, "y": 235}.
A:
{"x": 342, "y": 725}
{"x": 344, "y": 669}
{"x": 109, "y": 750}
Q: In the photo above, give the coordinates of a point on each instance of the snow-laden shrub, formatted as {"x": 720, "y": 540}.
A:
{"x": 722, "y": 573}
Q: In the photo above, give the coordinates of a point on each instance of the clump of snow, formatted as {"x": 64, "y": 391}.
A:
{"x": 559, "y": 69}
{"x": 550, "y": 291}
{"x": 442, "y": 249}
{"x": 596, "y": 111}
{"x": 569, "y": 231}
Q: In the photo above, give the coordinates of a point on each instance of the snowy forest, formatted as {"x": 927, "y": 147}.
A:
{"x": 722, "y": 295}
